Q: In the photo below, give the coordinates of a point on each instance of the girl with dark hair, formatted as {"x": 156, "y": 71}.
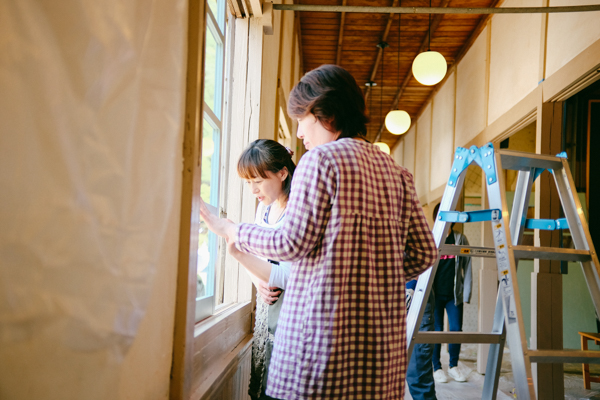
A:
{"x": 356, "y": 233}
{"x": 268, "y": 168}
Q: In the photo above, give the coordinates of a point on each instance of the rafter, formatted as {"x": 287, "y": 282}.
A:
{"x": 341, "y": 36}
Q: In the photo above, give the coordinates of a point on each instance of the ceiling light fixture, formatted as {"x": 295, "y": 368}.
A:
{"x": 383, "y": 147}
{"x": 397, "y": 122}
{"x": 429, "y": 67}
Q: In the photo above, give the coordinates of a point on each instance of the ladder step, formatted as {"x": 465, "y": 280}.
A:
{"x": 457, "y": 337}
{"x": 521, "y": 161}
{"x": 551, "y": 253}
{"x": 543, "y": 253}
{"x": 564, "y": 356}
{"x": 467, "y": 251}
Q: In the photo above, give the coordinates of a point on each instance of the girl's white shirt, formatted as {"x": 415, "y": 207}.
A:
{"x": 279, "y": 273}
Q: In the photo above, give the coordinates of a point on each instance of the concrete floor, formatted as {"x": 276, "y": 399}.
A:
{"x": 472, "y": 389}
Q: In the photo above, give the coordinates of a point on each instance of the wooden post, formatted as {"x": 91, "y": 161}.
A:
{"x": 183, "y": 335}
{"x": 546, "y": 280}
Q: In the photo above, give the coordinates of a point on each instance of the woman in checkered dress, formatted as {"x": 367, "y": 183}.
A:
{"x": 355, "y": 232}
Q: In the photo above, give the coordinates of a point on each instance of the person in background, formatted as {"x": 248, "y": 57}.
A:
{"x": 419, "y": 374}
{"x": 356, "y": 233}
{"x": 267, "y": 167}
{"x": 452, "y": 286}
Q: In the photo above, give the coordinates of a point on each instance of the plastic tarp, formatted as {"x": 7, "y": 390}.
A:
{"x": 91, "y": 112}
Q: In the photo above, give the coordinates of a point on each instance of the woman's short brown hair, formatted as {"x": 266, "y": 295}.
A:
{"x": 264, "y": 155}
{"x": 331, "y": 94}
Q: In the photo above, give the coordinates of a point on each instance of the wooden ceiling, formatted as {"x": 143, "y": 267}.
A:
{"x": 350, "y": 40}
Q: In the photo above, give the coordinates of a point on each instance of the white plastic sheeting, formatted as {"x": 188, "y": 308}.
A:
{"x": 91, "y": 111}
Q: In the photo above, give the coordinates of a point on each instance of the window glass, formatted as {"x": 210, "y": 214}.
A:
{"x": 213, "y": 6}
{"x": 210, "y": 69}
{"x": 209, "y": 190}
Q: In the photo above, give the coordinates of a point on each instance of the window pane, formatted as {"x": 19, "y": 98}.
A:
{"x": 209, "y": 190}
{"x": 213, "y": 6}
{"x": 210, "y": 69}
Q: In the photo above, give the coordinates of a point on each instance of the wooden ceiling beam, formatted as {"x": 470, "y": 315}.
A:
{"x": 338, "y": 57}
{"x": 437, "y": 10}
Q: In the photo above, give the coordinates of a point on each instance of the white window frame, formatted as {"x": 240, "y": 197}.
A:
{"x": 205, "y": 306}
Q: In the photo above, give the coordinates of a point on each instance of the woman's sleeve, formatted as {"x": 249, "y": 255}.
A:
{"x": 279, "y": 274}
{"x": 308, "y": 211}
{"x": 420, "y": 251}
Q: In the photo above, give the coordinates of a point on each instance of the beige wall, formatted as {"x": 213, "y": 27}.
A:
{"x": 514, "y": 57}
{"x": 570, "y": 34}
{"x": 442, "y": 133}
{"x": 398, "y": 153}
{"x": 471, "y": 91}
{"x": 423, "y": 151}
{"x": 409, "y": 149}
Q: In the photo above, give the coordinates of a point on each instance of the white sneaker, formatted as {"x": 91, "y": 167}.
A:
{"x": 440, "y": 376}
{"x": 455, "y": 374}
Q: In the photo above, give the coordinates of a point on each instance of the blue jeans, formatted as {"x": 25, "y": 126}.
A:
{"x": 455, "y": 320}
{"x": 419, "y": 374}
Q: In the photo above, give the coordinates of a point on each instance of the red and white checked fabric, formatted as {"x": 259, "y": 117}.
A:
{"x": 356, "y": 233}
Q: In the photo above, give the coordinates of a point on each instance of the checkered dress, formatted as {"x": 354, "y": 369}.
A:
{"x": 356, "y": 233}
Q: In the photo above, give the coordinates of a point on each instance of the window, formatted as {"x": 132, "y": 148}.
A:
{"x": 212, "y": 128}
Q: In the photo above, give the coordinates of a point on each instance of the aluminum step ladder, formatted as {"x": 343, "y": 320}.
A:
{"x": 508, "y": 318}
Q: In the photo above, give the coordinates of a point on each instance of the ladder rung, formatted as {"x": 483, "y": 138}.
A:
{"x": 457, "y": 337}
{"x": 520, "y": 161}
{"x": 543, "y": 253}
{"x": 467, "y": 251}
{"x": 564, "y": 356}
{"x": 551, "y": 253}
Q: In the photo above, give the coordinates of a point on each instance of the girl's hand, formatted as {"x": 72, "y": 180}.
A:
{"x": 221, "y": 226}
{"x": 270, "y": 294}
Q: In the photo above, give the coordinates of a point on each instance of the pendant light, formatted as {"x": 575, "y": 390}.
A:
{"x": 381, "y": 145}
{"x": 397, "y": 122}
{"x": 429, "y": 67}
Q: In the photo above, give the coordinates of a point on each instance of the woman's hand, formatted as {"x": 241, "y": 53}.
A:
{"x": 231, "y": 249}
{"x": 221, "y": 226}
{"x": 269, "y": 294}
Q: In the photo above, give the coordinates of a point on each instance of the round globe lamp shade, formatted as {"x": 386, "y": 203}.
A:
{"x": 383, "y": 147}
{"x": 429, "y": 68}
{"x": 397, "y": 122}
